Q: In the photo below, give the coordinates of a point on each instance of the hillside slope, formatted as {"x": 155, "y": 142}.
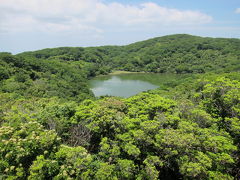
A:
{"x": 179, "y": 53}
{"x": 51, "y": 126}
{"x": 31, "y": 77}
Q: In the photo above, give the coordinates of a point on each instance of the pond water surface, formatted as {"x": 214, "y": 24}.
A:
{"x": 126, "y": 85}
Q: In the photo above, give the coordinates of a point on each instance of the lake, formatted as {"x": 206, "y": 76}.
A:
{"x": 127, "y": 84}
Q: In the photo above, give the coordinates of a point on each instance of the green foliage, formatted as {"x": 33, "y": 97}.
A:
{"x": 30, "y": 77}
{"x": 157, "y": 137}
{"x": 179, "y": 53}
{"x": 21, "y": 145}
{"x": 51, "y": 127}
{"x": 68, "y": 162}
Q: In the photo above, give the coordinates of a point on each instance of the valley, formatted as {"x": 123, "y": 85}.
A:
{"x": 164, "y": 108}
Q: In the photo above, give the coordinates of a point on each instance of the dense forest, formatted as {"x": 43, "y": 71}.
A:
{"x": 52, "y": 126}
{"x": 175, "y": 54}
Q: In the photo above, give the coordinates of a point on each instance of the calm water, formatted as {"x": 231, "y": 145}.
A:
{"x": 126, "y": 85}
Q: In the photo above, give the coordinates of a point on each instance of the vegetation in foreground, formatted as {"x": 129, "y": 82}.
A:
{"x": 53, "y": 128}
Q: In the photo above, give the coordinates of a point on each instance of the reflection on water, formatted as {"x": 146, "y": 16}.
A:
{"x": 120, "y": 85}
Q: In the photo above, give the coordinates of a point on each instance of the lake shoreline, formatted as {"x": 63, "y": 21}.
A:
{"x": 124, "y": 72}
{"x": 121, "y": 85}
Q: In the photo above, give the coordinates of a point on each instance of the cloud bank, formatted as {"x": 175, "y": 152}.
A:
{"x": 90, "y": 15}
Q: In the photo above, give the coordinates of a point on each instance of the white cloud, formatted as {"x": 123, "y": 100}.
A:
{"x": 237, "y": 11}
{"x": 89, "y": 15}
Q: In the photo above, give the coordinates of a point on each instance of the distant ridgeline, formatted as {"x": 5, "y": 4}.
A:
{"x": 63, "y": 71}
{"x": 52, "y": 126}
{"x": 174, "y": 53}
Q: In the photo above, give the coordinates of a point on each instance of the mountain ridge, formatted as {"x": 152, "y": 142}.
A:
{"x": 109, "y": 45}
{"x": 180, "y": 53}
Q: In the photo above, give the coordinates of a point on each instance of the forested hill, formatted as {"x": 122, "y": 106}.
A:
{"x": 31, "y": 77}
{"x": 52, "y": 126}
{"x": 51, "y": 72}
{"x": 174, "y": 53}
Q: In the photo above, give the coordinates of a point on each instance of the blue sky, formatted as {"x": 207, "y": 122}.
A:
{"x": 36, "y": 24}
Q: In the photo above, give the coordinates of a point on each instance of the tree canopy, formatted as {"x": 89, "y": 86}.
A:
{"x": 52, "y": 126}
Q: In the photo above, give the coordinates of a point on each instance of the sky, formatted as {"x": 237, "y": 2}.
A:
{"x": 27, "y": 25}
